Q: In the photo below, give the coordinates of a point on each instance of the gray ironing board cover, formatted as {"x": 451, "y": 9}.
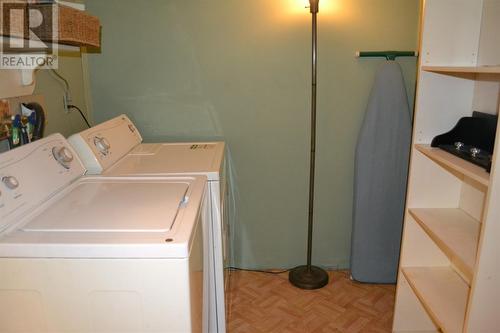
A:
{"x": 381, "y": 167}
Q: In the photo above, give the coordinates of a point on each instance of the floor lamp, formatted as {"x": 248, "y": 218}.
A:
{"x": 309, "y": 276}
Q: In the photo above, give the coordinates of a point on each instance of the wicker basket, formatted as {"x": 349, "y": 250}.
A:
{"x": 15, "y": 19}
{"x": 75, "y": 27}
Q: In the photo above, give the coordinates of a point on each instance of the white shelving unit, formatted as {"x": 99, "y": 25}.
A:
{"x": 449, "y": 277}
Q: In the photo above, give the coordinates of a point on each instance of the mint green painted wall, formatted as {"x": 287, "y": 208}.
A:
{"x": 72, "y": 69}
{"x": 58, "y": 121}
{"x": 240, "y": 71}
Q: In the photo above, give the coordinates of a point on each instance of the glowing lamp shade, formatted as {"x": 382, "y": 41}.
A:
{"x": 301, "y": 7}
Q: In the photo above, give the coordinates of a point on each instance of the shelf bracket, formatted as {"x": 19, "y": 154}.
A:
{"x": 27, "y": 76}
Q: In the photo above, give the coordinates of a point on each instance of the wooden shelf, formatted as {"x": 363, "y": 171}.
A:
{"x": 19, "y": 42}
{"x": 455, "y": 233}
{"x": 442, "y": 293}
{"x": 455, "y": 165}
{"x": 465, "y": 70}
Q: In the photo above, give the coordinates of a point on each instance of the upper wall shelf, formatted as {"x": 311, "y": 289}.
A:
{"x": 464, "y": 70}
{"x": 5, "y": 40}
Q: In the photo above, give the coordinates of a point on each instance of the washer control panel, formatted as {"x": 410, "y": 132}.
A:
{"x": 31, "y": 174}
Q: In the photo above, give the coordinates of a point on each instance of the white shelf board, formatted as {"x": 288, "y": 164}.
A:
{"x": 4, "y": 40}
{"x": 463, "y": 69}
{"x": 456, "y": 165}
{"x": 454, "y": 232}
{"x": 442, "y": 293}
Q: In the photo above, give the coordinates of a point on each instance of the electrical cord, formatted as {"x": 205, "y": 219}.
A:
{"x": 65, "y": 85}
{"x": 258, "y": 270}
{"x": 81, "y": 113}
{"x": 67, "y": 95}
{"x": 60, "y": 77}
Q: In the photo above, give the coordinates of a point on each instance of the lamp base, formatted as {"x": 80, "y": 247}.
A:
{"x": 304, "y": 278}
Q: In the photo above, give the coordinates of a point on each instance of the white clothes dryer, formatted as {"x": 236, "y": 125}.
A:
{"x": 114, "y": 148}
{"x": 93, "y": 254}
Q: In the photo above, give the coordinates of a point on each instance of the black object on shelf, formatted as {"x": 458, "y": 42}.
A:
{"x": 40, "y": 120}
{"x": 472, "y": 139}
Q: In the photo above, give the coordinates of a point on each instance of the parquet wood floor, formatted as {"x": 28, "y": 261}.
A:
{"x": 266, "y": 303}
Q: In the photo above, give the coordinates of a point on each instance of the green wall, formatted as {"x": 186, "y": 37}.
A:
{"x": 58, "y": 121}
{"x": 240, "y": 71}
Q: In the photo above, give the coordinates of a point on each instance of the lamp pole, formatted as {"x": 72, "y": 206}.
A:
{"x": 309, "y": 276}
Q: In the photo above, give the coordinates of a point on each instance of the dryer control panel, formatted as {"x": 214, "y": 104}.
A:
{"x": 103, "y": 145}
{"x": 31, "y": 174}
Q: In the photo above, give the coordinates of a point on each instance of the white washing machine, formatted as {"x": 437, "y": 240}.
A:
{"x": 93, "y": 254}
{"x": 115, "y": 148}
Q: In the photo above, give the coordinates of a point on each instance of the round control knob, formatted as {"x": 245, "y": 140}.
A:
{"x": 105, "y": 143}
{"x": 475, "y": 151}
{"x": 63, "y": 155}
{"x": 102, "y": 145}
{"x": 459, "y": 145}
{"x": 10, "y": 182}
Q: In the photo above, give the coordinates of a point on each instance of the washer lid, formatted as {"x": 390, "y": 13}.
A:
{"x": 113, "y": 207}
